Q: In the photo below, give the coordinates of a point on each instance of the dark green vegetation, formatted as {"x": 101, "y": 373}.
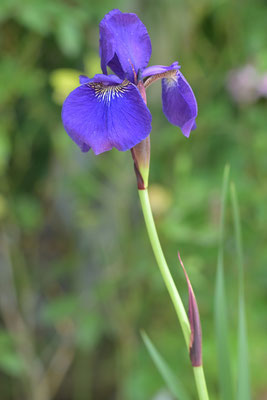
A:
{"x": 71, "y": 227}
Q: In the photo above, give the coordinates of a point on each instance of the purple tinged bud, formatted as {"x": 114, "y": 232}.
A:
{"x": 141, "y": 158}
{"x": 195, "y": 345}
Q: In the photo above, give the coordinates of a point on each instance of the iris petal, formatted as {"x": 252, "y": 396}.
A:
{"x": 99, "y": 78}
{"x": 104, "y": 116}
{"x": 159, "y": 69}
{"x": 84, "y": 79}
{"x": 179, "y": 103}
{"x": 124, "y": 44}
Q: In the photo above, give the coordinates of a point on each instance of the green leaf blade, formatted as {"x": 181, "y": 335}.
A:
{"x": 243, "y": 375}
{"x": 220, "y": 308}
{"x": 173, "y": 384}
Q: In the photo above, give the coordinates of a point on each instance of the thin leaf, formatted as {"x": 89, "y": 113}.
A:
{"x": 243, "y": 377}
{"x": 221, "y": 322}
{"x": 173, "y": 384}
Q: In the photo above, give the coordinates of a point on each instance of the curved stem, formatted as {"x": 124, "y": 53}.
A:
{"x": 173, "y": 292}
{"x": 164, "y": 269}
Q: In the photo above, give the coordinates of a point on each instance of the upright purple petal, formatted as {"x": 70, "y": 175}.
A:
{"x": 179, "y": 103}
{"x": 101, "y": 116}
{"x": 124, "y": 44}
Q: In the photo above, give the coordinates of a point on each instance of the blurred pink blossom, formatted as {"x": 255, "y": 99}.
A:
{"x": 246, "y": 85}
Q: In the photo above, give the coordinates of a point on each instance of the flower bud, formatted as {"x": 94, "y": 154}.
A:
{"x": 195, "y": 345}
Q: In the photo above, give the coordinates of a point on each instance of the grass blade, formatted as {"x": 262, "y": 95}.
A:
{"x": 175, "y": 387}
{"x": 221, "y": 323}
{"x": 243, "y": 377}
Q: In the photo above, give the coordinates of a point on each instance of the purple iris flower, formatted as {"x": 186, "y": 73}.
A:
{"x": 110, "y": 110}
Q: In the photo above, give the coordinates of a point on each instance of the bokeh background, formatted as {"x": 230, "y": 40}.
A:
{"x": 78, "y": 277}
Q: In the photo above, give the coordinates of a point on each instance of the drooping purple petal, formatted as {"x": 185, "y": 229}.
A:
{"x": 179, "y": 103}
{"x": 159, "y": 69}
{"x": 124, "y": 44}
{"x": 102, "y": 116}
{"x": 195, "y": 345}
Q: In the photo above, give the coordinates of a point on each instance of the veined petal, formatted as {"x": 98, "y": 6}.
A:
{"x": 159, "y": 69}
{"x": 102, "y": 116}
{"x": 124, "y": 44}
{"x": 179, "y": 103}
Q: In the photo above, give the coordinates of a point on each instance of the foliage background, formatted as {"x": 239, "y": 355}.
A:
{"x": 84, "y": 278}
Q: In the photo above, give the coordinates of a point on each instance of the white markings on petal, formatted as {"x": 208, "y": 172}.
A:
{"x": 106, "y": 93}
{"x": 171, "y": 81}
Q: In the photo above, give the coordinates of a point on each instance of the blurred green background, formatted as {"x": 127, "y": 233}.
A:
{"x": 78, "y": 277}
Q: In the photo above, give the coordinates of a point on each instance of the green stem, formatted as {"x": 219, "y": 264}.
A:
{"x": 173, "y": 292}
{"x": 201, "y": 383}
{"x": 164, "y": 269}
